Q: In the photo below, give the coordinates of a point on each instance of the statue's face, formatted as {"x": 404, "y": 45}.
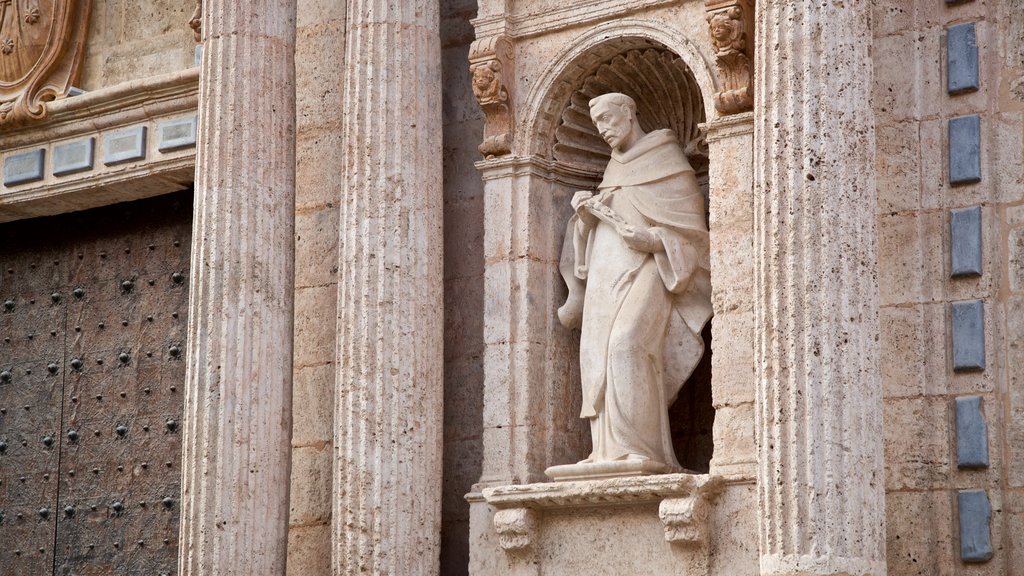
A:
{"x": 614, "y": 123}
{"x": 721, "y": 28}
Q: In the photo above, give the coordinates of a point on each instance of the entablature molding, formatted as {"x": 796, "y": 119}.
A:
{"x": 125, "y": 142}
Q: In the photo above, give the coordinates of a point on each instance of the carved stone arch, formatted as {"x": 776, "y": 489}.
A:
{"x": 613, "y": 49}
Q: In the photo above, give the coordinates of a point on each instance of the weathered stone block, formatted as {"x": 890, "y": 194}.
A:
{"x": 124, "y": 145}
{"x": 965, "y": 150}
{"x": 971, "y": 433}
{"x": 24, "y": 167}
{"x": 975, "y": 537}
{"x": 917, "y": 434}
{"x": 961, "y": 59}
{"x": 310, "y": 500}
{"x": 919, "y": 533}
{"x": 968, "y": 332}
{"x": 72, "y": 157}
{"x": 176, "y": 134}
{"x": 965, "y": 242}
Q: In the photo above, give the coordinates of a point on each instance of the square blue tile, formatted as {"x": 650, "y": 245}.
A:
{"x": 962, "y": 59}
{"x": 965, "y": 150}
{"x": 975, "y": 538}
{"x": 24, "y": 167}
{"x": 72, "y": 157}
{"x": 971, "y": 434}
{"x": 124, "y": 145}
{"x": 968, "y": 319}
{"x": 965, "y": 242}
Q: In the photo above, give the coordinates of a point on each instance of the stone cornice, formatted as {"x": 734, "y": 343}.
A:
{"x": 149, "y": 106}
{"x": 591, "y": 493}
{"x": 573, "y": 14}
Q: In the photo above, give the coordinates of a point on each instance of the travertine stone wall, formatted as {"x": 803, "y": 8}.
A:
{"x": 388, "y": 400}
{"x": 133, "y": 39}
{"x": 319, "y": 72}
{"x": 818, "y": 424}
{"x": 915, "y": 202}
{"x": 236, "y": 442}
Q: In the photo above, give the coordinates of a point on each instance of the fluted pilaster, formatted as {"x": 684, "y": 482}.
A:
{"x": 819, "y": 400}
{"x": 238, "y": 396}
{"x": 388, "y": 412}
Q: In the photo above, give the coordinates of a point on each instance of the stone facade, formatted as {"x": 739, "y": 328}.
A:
{"x": 861, "y": 409}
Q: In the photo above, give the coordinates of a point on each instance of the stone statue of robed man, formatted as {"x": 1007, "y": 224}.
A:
{"x": 635, "y": 259}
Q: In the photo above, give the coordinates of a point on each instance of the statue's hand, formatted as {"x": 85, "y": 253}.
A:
{"x": 579, "y": 198}
{"x": 579, "y": 203}
{"x": 642, "y": 240}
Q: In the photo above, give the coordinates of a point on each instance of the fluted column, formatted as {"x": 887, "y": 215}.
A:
{"x": 237, "y": 456}
{"x": 819, "y": 398}
{"x": 388, "y": 411}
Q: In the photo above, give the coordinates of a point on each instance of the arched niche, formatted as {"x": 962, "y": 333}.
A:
{"x": 667, "y": 96}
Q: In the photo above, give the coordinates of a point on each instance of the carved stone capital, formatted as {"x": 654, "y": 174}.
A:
{"x": 685, "y": 519}
{"x": 730, "y": 25}
{"x": 491, "y": 62}
{"x": 41, "y": 49}
{"x": 516, "y": 528}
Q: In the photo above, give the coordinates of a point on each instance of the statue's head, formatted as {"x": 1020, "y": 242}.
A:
{"x": 614, "y": 115}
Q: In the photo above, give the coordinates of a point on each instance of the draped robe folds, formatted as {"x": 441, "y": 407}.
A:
{"x": 643, "y": 313}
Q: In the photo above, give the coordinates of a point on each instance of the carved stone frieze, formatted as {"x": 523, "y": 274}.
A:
{"x": 491, "y": 62}
{"x": 41, "y": 49}
{"x": 730, "y": 26}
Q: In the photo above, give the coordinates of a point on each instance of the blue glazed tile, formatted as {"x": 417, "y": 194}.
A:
{"x": 968, "y": 320}
{"x": 72, "y": 157}
{"x": 962, "y": 59}
{"x": 24, "y": 167}
{"x": 965, "y": 150}
{"x": 971, "y": 434}
{"x": 124, "y": 145}
{"x": 965, "y": 242}
{"x": 975, "y": 514}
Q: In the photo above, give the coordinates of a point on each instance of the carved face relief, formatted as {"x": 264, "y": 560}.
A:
{"x": 614, "y": 123}
{"x": 485, "y": 82}
{"x": 725, "y": 30}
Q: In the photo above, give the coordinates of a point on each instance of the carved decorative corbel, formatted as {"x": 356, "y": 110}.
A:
{"x": 516, "y": 528}
{"x": 685, "y": 520}
{"x": 196, "y": 22}
{"x": 730, "y": 24}
{"x": 41, "y": 49}
{"x": 492, "y": 66}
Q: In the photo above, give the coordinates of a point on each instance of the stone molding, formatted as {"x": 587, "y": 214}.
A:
{"x": 147, "y": 103}
{"x": 492, "y": 64}
{"x": 684, "y": 503}
{"x": 572, "y": 14}
{"x": 41, "y": 59}
{"x": 731, "y": 28}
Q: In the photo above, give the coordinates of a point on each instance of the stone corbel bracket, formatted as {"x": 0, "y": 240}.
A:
{"x": 731, "y": 26}
{"x": 684, "y": 505}
{"x": 492, "y": 65}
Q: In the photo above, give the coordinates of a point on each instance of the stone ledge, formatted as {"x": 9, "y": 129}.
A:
{"x": 683, "y": 499}
{"x": 90, "y": 119}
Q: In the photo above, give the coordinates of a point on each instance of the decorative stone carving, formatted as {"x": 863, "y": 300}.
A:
{"x": 491, "y": 62}
{"x": 516, "y": 528}
{"x": 685, "y": 519}
{"x": 41, "y": 48}
{"x": 636, "y": 261}
{"x": 196, "y": 21}
{"x": 729, "y": 27}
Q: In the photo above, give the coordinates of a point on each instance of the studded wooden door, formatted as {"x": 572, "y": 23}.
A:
{"x": 91, "y": 387}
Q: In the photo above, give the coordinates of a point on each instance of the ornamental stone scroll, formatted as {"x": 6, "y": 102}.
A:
{"x": 491, "y": 63}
